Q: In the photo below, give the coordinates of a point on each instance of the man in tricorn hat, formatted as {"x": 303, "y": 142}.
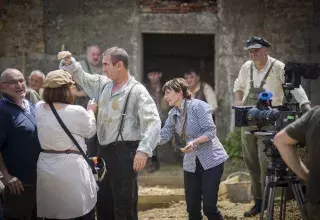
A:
{"x": 261, "y": 73}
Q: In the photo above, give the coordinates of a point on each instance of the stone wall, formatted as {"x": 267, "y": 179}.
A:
{"x": 236, "y": 23}
{"x": 291, "y": 28}
{"x": 92, "y": 22}
{"x": 33, "y": 31}
{"x": 21, "y": 32}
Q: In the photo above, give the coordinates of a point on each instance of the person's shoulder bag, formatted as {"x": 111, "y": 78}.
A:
{"x": 97, "y": 164}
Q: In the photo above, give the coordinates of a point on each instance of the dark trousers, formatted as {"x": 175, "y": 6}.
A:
{"x": 20, "y": 206}
{"x": 118, "y": 192}
{"x": 203, "y": 185}
{"x": 92, "y": 145}
{"x": 313, "y": 211}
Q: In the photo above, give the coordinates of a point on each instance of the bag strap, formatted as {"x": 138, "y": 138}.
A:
{"x": 183, "y": 132}
{"x": 64, "y": 127}
{"x": 124, "y": 114}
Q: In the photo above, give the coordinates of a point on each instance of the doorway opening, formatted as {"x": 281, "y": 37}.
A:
{"x": 175, "y": 54}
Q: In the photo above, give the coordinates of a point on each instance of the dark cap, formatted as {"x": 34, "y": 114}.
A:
{"x": 191, "y": 71}
{"x": 256, "y": 42}
{"x": 153, "y": 69}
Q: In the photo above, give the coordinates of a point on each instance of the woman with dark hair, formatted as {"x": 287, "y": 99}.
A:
{"x": 66, "y": 188}
{"x": 190, "y": 120}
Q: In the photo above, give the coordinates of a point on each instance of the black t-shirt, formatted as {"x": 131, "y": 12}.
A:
{"x": 306, "y": 130}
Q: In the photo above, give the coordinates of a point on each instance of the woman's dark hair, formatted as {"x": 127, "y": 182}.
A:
{"x": 178, "y": 85}
{"x": 61, "y": 94}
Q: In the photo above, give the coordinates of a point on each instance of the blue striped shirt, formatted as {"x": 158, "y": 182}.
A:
{"x": 199, "y": 123}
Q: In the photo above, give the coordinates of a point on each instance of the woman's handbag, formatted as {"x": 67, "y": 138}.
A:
{"x": 97, "y": 164}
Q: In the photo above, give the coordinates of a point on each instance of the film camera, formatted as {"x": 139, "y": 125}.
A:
{"x": 266, "y": 120}
{"x": 264, "y": 114}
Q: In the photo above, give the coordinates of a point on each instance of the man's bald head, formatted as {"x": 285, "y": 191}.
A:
{"x": 13, "y": 84}
{"x": 7, "y": 73}
{"x": 38, "y": 73}
{"x": 36, "y": 80}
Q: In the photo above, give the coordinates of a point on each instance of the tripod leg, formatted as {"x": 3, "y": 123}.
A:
{"x": 283, "y": 203}
{"x": 270, "y": 209}
{"x": 265, "y": 192}
{"x": 297, "y": 191}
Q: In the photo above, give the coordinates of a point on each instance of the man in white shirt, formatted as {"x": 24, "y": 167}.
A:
{"x": 260, "y": 74}
{"x": 128, "y": 127}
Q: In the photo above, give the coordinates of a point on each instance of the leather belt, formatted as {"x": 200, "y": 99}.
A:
{"x": 62, "y": 152}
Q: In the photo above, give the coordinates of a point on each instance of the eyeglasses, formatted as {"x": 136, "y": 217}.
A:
{"x": 14, "y": 82}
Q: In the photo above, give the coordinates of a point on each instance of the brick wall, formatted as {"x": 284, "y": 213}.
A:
{"x": 160, "y": 6}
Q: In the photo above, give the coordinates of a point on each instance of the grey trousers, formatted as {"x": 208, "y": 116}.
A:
{"x": 255, "y": 160}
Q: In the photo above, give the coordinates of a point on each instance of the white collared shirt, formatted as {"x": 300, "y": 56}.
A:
{"x": 273, "y": 82}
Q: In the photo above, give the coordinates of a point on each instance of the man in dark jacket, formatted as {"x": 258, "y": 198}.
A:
{"x": 19, "y": 147}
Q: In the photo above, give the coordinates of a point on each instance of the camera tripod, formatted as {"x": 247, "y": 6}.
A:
{"x": 279, "y": 175}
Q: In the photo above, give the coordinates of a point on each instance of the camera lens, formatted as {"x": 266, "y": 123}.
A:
{"x": 262, "y": 117}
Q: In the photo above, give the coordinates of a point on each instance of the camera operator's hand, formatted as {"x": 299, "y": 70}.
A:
{"x": 305, "y": 107}
{"x": 238, "y": 97}
{"x": 13, "y": 183}
{"x": 238, "y": 103}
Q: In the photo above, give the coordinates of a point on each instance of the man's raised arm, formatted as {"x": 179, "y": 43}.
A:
{"x": 91, "y": 84}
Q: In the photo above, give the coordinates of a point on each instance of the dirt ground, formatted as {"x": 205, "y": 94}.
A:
{"x": 230, "y": 211}
{"x": 177, "y": 210}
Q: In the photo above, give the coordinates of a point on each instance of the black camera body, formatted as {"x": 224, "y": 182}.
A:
{"x": 262, "y": 115}
{"x": 253, "y": 116}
